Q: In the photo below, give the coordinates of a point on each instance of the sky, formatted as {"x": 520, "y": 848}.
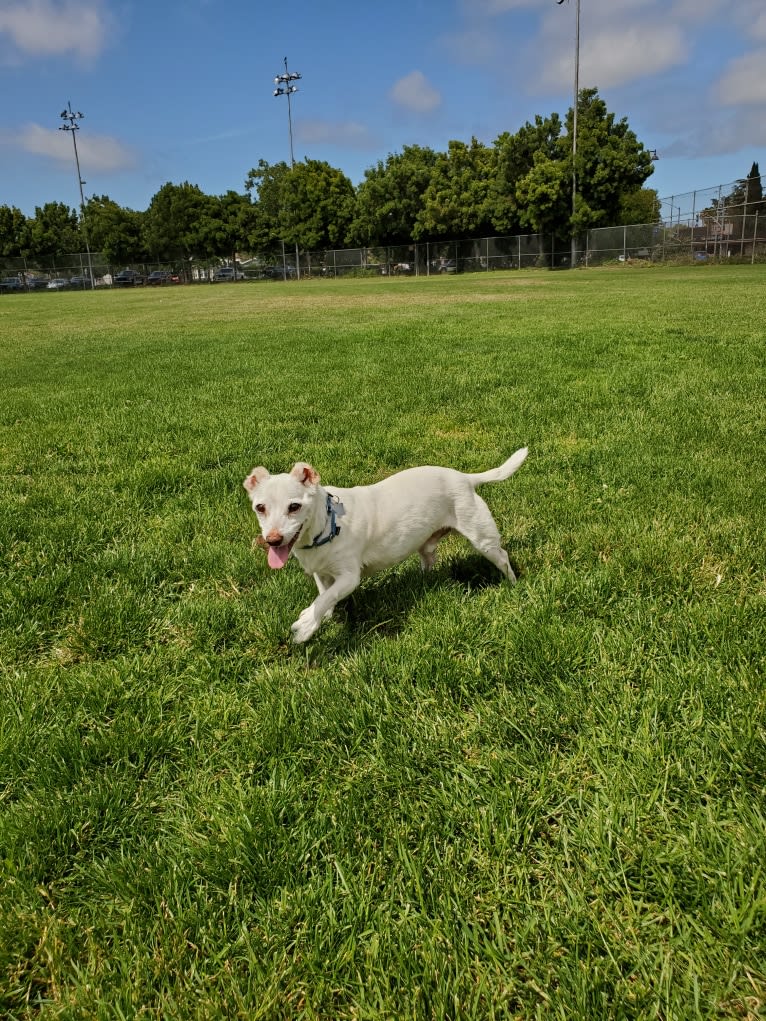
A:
{"x": 182, "y": 90}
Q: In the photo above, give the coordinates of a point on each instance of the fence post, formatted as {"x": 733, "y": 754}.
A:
{"x": 624, "y": 243}
{"x": 755, "y": 238}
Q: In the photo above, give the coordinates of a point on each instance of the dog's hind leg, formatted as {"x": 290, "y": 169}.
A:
{"x": 479, "y": 528}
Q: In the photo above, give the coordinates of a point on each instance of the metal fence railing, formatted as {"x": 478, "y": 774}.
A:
{"x": 657, "y": 243}
{"x": 720, "y": 224}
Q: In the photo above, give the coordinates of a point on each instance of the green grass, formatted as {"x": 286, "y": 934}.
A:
{"x": 460, "y": 799}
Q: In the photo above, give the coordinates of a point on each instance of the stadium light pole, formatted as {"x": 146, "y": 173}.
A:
{"x": 71, "y": 118}
{"x": 285, "y": 87}
{"x": 574, "y": 122}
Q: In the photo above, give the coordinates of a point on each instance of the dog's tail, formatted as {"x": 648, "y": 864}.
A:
{"x": 514, "y": 462}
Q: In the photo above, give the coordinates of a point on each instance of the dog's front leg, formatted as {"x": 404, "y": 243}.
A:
{"x": 322, "y": 583}
{"x": 308, "y": 622}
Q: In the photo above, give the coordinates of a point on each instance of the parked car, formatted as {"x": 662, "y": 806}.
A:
{"x": 33, "y": 283}
{"x": 11, "y": 284}
{"x": 283, "y": 272}
{"x": 128, "y": 278}
{"x": 58, "y": 284}
{"x": 226, "y": 273}
{"x": 161, "y": 276}
{"x": 446, "y": 266}
{"x": 80, "y": 282}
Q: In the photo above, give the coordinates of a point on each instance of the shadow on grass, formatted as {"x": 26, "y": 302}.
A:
{"x": 383, "y": 605}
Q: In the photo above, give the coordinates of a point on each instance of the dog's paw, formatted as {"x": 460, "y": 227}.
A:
{"x": 305, "y": 626}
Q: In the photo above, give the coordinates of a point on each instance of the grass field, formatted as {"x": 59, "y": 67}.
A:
{"x": 460, "y": 799}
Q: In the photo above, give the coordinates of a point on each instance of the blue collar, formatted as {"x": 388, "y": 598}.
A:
{"x": 334, "y": 509}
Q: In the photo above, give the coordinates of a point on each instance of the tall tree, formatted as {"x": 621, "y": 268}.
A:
{"x": 754, "y": 188}
{"x": 544, "y": 196}
{"x": 642, "y": 205}
{"x": 266, "y": 184}
{"x": 114, "y": 231}
{"x": 732, "y": 217}
{"x": 456, "y": 202}
{"x": 175, "y": 224}
{"x": 228, "y": 223}
{"x": 14, "y": 232}
{"x": 515, "y": 157}
{"x": 319, "y": 205}
{"x": 390, "y": 198}
{"x": 610, "y": 162}
{"x": 54, "y": 230}
{"x": 309, "y": 205}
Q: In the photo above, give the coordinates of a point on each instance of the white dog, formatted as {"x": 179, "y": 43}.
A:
{"x": 339, "y": 535}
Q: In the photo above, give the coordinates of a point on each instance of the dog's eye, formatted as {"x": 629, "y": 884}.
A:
{"x": 260, "y": 508}
{"x": 294, "y": 507}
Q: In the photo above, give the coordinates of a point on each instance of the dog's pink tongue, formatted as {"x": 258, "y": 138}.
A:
{"x": 278, "y": 556}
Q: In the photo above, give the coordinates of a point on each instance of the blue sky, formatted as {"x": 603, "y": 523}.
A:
{"x": 181, "y": 90}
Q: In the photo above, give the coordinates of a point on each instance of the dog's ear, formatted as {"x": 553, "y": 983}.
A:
{"x": 256, "y": 475}
{"x": 305, "y": 474}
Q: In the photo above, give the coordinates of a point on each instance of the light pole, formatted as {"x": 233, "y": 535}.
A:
{"x": 285, "y": 87}
{"x": 574, "y": 122}
{"x": 72, "y": 118}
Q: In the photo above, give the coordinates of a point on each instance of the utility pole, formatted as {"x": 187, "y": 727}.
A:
{"x": 71, "y": 118}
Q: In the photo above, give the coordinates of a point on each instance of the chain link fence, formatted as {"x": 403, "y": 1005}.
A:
{"x": 720, "y": 224}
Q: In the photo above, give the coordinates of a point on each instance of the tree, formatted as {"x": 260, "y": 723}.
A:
{"x": 310, "y": 205}
{"x": 390, "y": 198}
{"x": 544, "y": 195}
{"x": 54, "y": 230}
{"x": 732, "y": 217}
{"x": 266, "y": 183}
{"x": 754, "y": 188}
{"x": 228, "y": 224}
{"x": 456, "y": 201}
{"x": 639, "y": 206}
{"x": 514, "y": 158}
{"x": 319, "y": 205}
{"x": 610, "y": 162}
{"x": 176, "y": 223}
{"x": 114, "y": 231}
{"x": 14, "y": 232}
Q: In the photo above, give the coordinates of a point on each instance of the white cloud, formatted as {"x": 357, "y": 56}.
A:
{"x": 351, "y": 134}
{"x": 751, "y": 17}
{"x": 491, "y": 7}
{"x": 618, "y": 43}
{"x": 478, "y": 46}
{"x": 744, "y": 81}
{"x": 617, "y": 55}
{"x": 720, "y": 134}
{"x": 98, "y": 153}
{"x": 46, "y": 27}
{"x": 696, "y": 11}
{"x": 414, "y": 92}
